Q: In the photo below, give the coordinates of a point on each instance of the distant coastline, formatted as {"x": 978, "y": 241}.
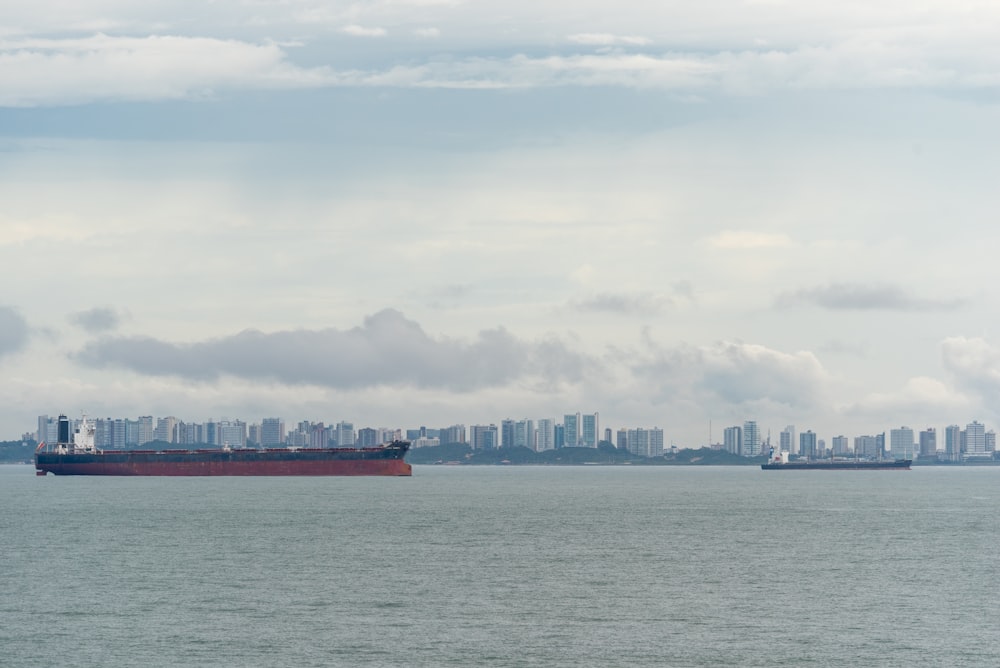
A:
{"x": 22, "y": 452}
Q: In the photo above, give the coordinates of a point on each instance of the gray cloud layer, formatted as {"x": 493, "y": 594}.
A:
{"x": 13, "y": 331}
{"x": 387, "y": 349}
{"x": 97, "y": 319}
{"x": 735, "y": 373}
{"x": 855, "y": 296}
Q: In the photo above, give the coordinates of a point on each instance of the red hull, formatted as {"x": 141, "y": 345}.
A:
{"x": 382, "y": 461}
{"x": 371, "y": 467}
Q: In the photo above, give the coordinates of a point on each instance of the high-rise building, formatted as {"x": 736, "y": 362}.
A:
{"x": 866, "y": 447}
{"x": 48, "y": 429}
{"x": 571, "y": 426}
{"x": 343, "y": 434}
{"x": 190, "y": 433}
{"x": 645, "y": 442}
{"x": 732, "y": 439}
{"x": 786, "y": 440}
{"x": 232, "y": 433}
{"x": 453, "y": 434}
{"x": 319, "y": 436}
{"x": 145, "y": 432}
{"x": 272, "y": 432}
{"x": 484, "y": 437}
{"x": 751, "y": 439}
{"x": 367, "y": 438}
{"x": 546, "y": 435}
{"x": 928, "y": 443}
{"x": 840, "y": 446}
{"x": 621, "y": 440}
{"x": 953, "y": 442}
{"x": 524, "y": 434}
{"x": 975, "y": 440}
{"x": 166, "y": 429}
{"x": 590, "y": 430}
{"x": 507, "y": 433}
{"x": 807, "y": 444}
{"x": 901, "y": 443}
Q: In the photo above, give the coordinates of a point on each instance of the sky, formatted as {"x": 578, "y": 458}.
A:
{"x": 431, "y": 212}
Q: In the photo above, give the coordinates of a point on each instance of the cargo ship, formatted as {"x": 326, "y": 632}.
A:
{"x": 781, "y": 463}
{"x": 79, "y": 456}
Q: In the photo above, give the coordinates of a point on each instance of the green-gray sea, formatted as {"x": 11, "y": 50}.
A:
{"x": 503, "y": 566}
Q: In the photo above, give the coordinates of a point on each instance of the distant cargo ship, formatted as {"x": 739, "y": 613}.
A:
{"x": 781, "y": 463}
{"x": 79, "y": 456}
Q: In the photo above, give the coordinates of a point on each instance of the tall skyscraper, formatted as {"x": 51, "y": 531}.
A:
{"x": 48, "y": 429}
{"x": 507, "y": 433}
{"x": 484, "y": 437}
{"x": 807, "y": 444}
{"x": 901, "y": 443}
{"x": 166, "y": 429}
{"x": 367, "y": 438}
{"x": 866, "y": 447}
{"x": 272, "y": 432}
{"x": 840, "y": 446}
{"x": 546, "y": 434}
{"x": 344, "y": 434}
{"x": 645, "y": 442}
{"x": 453, "y": 434}
{"x": 233, "y": 432}
{"x": 786, "y": 440}
{"x": 751, "y": 439}
{"x": 524, "y": 434}
{"x": 928, "y": 443}
{"x": 571, "y": 430}
{"x": 146, "y": 432}
{"x": 975, "y": 440}
{"x": 732, "y": 440}
{"x": 953, "y": 442}
{"x": 560, "y": 431}
{"x": 590, "y": 430}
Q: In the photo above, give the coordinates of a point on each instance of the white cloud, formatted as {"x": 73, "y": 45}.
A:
{"x": 748, "y": 240}
{"x": 864, "y": 297}
{"x": 73, "y": 70}
{"x": 731, "y": 373}
{"x": 607, "y": 39}
{"x": 974, "y": 364}
{"x": 102, "y": 67}
{"x": 361, "y": 31}
{"x": 921, "y": 399}
{"x": 388, "y": 349}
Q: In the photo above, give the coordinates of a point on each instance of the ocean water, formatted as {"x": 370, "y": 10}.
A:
{"x": 503, "y": 566}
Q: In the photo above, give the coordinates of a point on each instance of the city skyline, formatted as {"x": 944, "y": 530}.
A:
{"x": 679, "y": 213}
{"x": 975, "y": 440}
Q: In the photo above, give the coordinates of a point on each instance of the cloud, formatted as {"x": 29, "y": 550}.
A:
{"x": 39, "y": 72}
{"x": 388, "y": 349}
{"x": 97, "y": 319}
{"x": 361, "y": 31}
{"x": 636, "y": 304}
{"x": 607, "y": 39}
{"x": 921, "y": 398}
{"x": 741, "y": 373}
{"x": 13, "y": 331}
{"x": 747, "y": 240}
{"x": 733, "y": 373}
{"x": 974, "y": 365}
{"x": 857, "y": 296}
